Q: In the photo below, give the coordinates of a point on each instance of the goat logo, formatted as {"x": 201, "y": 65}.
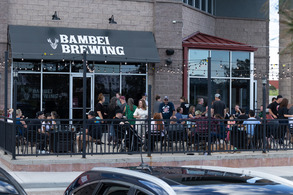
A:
{"x": 55, "y": 44}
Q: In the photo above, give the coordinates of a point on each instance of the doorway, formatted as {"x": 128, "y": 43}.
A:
{"x": 76, "y": 95}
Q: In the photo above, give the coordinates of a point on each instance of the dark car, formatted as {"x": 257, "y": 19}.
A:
{"x": 176, "y": 180}
{"x": 8, "y": 185}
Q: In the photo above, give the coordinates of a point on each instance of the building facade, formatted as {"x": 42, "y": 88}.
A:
{"x": 55, "y": 82}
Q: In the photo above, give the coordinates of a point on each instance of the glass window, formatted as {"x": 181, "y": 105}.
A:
{"x": 77, "y": 66}
{"x": 190, "y": 2}
{"x": 28, "y": 66}
{"x": 109, "y": 85}
{"x": 203, "y": 5}
{"x": 106, "y": 68}
{"x": 241, "y": 93}
{"x": 88, "y": 189}
{"x": 196, "y": 3}
{"x": 184, "y": 1}
{"x": 199, "y": 89}
{"x": 240, "y": 64}
{"x": 220, "y": 63}
{"x": 210, "y": 6}
{"x": 197, "y": 62}
{"x": 56, "y": 97}
{"x": 130, "y": 87}
{"x": 133, "y": 69}
{"x": 28, "y": 94}
{"x": 112, "y": 189}
{"x": 56, "y": 66}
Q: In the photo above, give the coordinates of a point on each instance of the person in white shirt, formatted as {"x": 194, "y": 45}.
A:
{"x": 141, "y": 112}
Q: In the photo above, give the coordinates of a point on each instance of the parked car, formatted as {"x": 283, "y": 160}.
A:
{"x": 144, "y": 180}
{"x": 8, "y": 185}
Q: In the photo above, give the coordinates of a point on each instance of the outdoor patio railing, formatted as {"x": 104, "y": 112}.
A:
{"x": 68, "y": 137}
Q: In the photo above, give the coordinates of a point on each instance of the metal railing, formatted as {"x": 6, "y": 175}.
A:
{"x": 146, "y": 136}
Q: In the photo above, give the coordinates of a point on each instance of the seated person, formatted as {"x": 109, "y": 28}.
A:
{"x": 157, "y": 130}
{"x": 120, "y": 126}
{"x": 93, "y": 131}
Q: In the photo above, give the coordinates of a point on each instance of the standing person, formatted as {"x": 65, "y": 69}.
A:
{"x": 273, "y": 107}
{"x": 129, "y": 110}
{"x": 101, "y": 111}
{"x": 200, "y": 106}
{"x": 36, "y": 125}
{"x": 56, "y": 125}
{"x": 118, "y": 99}
{"x": 144, "y": 97}
{"x": 157, "y": 104}
{"x": 185, "y": 106}
{"x": 167, "y": 110}
{"x": 112, "y": 108}
{"x": 274, "y": 99}
{"x": 123, "y": 104}
{"x": 283, "y": 116}
{"x": 218, "y": 106}
{"x": 20, "y": 123}
{"x": 243, "y": 116}
{"x": 260, "y": 114}
{"x": 141, "y": 112}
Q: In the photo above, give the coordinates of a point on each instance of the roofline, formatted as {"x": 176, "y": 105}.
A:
{"x": 236, "y": 46}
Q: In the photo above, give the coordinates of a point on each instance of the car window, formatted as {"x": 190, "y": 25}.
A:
{"x": 113, "y": 189}
{"x": 7, "y": 188}
{"x": 88, "y": 189}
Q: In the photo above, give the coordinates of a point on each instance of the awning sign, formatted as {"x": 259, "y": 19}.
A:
{"x": 69, "y": 43}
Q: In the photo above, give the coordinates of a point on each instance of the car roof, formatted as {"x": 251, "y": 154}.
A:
{"x": 139, "y": 175}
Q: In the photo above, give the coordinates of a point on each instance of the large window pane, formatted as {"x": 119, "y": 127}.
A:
{"x": 210, "y": 6}
{"x": 133, "y": 87}
{"x": 240, "y": 64}
{"x": 196, "y": 3}
{"x": 197, "y": 62}
{"x": 28, "y": 94}
{"x": 138, "y": 68}
{"x": 190, "y": 2}
{"x": 241, "y": 93}
{"x": 106, "y": 68}
{"x": 109, "y": 85}
{"x": 220, "y": 63}
{"x": 56, "y": 66}
{"x": 56, "y": 96}
{"x": 28, "y": 66}
{"x": 199, "y": 89}
{"x": 203, "y": 5}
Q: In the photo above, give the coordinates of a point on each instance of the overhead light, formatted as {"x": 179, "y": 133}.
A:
{"x": 111, "y": 20}
{"x": 55, "y": 17}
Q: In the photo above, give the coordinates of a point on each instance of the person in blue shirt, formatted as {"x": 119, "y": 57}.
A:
{"x": 167, "y": 109}
{"x": 250, "y": 124}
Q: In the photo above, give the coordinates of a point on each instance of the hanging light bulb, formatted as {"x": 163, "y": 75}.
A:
{"x": 22, "y": 59}
{"x": 63, "y": 59}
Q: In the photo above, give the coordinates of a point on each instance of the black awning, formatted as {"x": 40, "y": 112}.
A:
{"x": 56, "y": 43}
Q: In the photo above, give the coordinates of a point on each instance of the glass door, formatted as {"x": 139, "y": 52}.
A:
{"x": 76, "y": 98}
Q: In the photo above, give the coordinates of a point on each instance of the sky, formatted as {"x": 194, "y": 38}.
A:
{"x": 274, "y": 40}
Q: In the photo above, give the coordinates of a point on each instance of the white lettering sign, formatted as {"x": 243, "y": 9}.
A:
{"x": 77, "y": 44}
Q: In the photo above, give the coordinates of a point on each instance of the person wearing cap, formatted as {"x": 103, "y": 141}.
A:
{"x": 118, "y": 124}
{"x": 36, "y": 126}
{"x": 167, "y": 109}
{"x": 93, "y": 131}
{"x": 218, "y": 106}
{"x": 273, "y": 107}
